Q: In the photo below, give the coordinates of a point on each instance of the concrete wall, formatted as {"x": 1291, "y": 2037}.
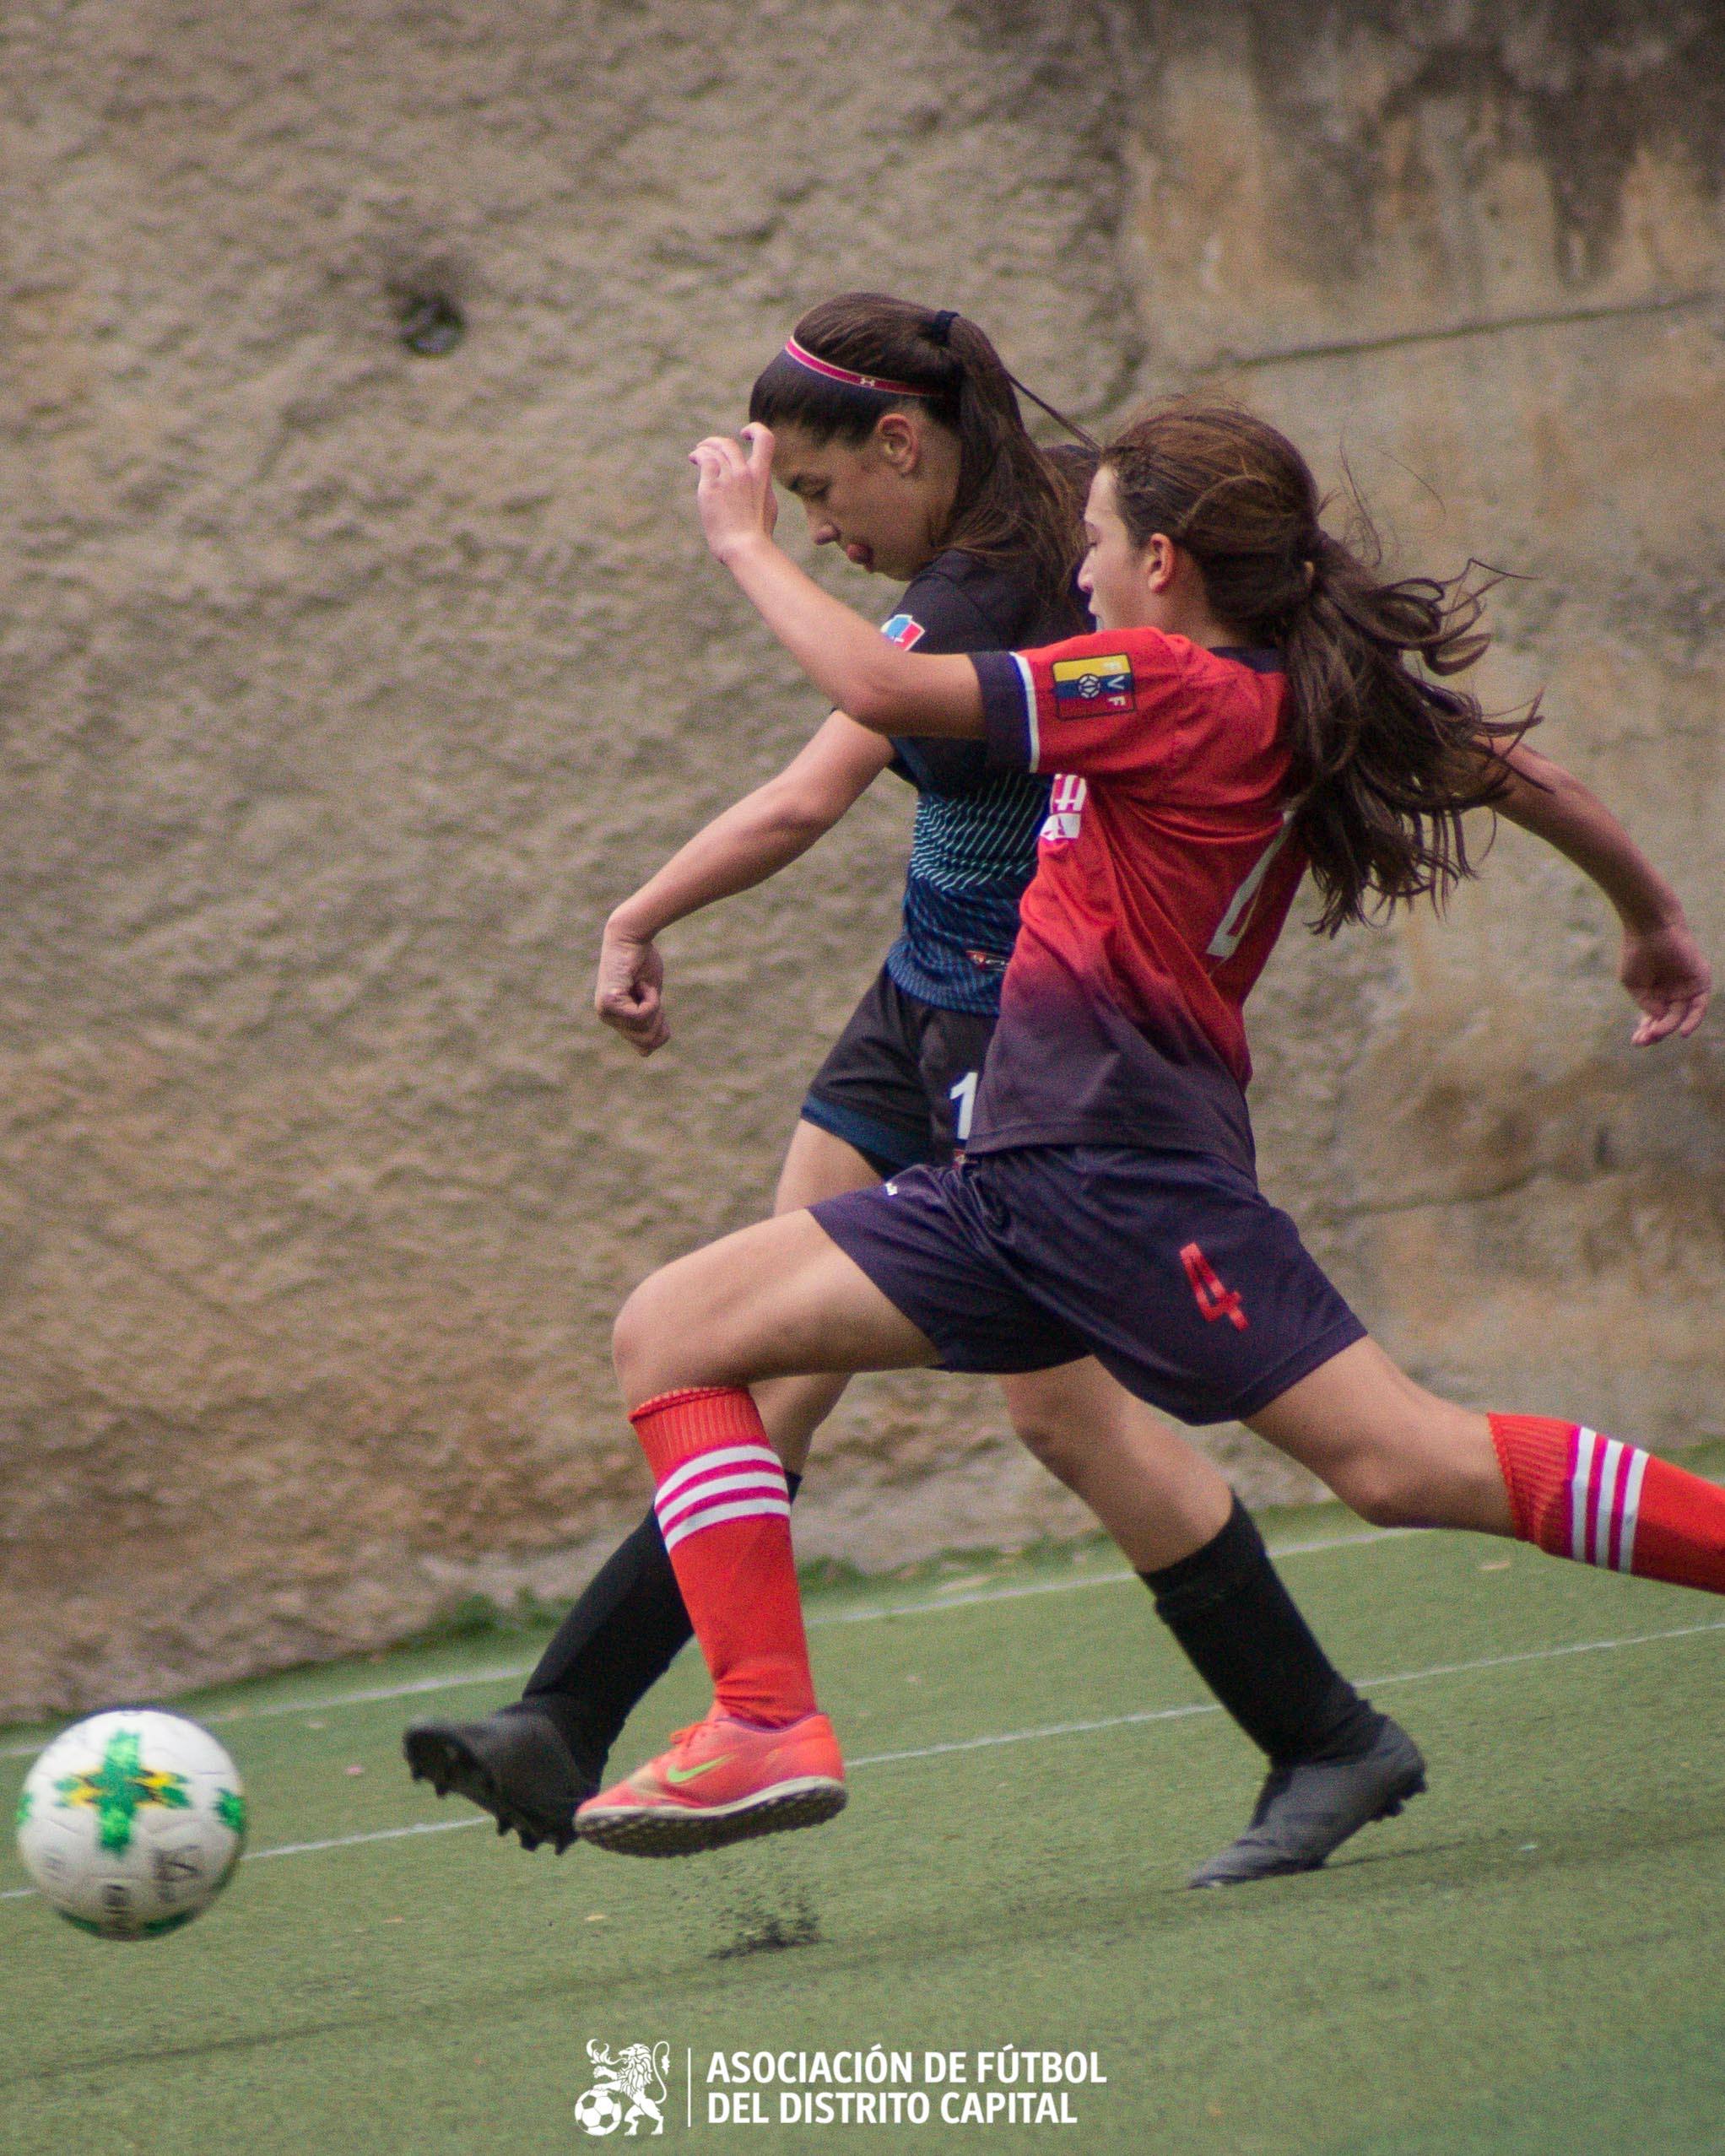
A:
{"x": 343, "y": 688}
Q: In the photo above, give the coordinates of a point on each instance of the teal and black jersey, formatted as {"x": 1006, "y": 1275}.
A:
{"x": 974, "y": 846}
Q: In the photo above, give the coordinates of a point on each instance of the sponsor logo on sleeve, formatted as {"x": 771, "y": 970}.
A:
{"x": 1086, "y": 688}
{"x": 1065, "y": 810}
{"x": 903, "y": 629}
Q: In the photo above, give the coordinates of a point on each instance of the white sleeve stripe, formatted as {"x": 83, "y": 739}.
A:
{"x": 1580, "y": 1476}
{"x": 1031, "y": 735}
{"x": 755, "y": 1479}
{"x": 722, "y": 1456}
{"x": 761, "y": 1508}
{"x": 1631, "y": 1510}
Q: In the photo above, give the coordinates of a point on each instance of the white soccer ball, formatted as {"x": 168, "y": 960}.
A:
{"x": 598, "y": 2112}
{"x": 131, "y": 1822}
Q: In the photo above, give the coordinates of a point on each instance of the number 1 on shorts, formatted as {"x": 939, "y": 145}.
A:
{"x": 965, "y": 1093}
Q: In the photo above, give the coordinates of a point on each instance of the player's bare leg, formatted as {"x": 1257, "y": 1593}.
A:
{"x": 1157, "y": 1497}
{"x": 778, "y": 1299}
{"x": 817, "y": 1166}
{"x": 1397, "y": 1454}
{"x": 1405, "y": 1458}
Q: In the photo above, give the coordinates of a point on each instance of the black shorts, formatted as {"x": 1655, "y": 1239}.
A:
{"x": 899, "y": 1081}
{"x": 1172, "y": 1269}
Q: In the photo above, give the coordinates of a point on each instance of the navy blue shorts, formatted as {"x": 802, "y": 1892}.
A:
{"x": 1171, "y": 1269}
{"x": 899, "y": 1079}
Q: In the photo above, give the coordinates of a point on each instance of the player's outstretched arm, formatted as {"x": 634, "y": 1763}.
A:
{"x": 747, "y": 843}
{"x": 883, "y": 688}
{"x": 1662, "y": 966}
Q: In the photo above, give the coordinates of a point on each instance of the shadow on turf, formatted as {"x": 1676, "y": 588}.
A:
{"x": 1056, "y": 1915}
{"x": 760, "y": 1930}
{"x": 1473, "y": 1861}
{"x": 169, "y": 2054}
{"x": 1064, "y": 1914}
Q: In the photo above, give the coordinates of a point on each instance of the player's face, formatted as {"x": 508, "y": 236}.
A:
{"x": 883, "y": 503}
{"x": 1121, "y": 580}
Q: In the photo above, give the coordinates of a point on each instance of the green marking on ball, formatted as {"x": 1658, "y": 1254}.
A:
{"x": 24, "y": 1805}
{"x": 119, "y": 1788}
{"x": 230, "y": 1810}
{"x": 120, "y": 1927}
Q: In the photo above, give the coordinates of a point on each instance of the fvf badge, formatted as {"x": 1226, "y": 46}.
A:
{"x": 622, "y": 2093}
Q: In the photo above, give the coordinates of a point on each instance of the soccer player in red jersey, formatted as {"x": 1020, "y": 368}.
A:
{"x": 1247, "y": 710}
{"x": 898, "y": 429}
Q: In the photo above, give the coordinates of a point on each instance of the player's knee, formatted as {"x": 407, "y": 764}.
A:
{"x": 1416, "y": 1491}
{"x": 1386, "y": 1492}
{"x": 1380, "y": 1501}
{"x": 639, "y": 1326}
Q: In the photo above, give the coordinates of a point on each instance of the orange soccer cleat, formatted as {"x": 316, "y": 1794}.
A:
{"x": 723, "y": 1780}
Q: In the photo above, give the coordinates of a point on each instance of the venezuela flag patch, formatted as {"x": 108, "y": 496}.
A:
{"x": 1085, "y": 688}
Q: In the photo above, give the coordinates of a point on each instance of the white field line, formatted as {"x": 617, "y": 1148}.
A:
{"x": 1210, "y": 1707}
{"x": 1091, "y": 1580}
{"x": 514, "y": 1672}
{"x": 309, "y": 1848}
{"x": 1033, "y": 1736}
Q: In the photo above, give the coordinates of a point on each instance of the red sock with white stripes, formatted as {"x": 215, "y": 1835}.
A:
{"x": 725, "y": 1513}
{"x": 1578, "y": 1494}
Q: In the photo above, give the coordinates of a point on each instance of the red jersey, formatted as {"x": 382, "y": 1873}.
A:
{"x": 1164, "y": 872}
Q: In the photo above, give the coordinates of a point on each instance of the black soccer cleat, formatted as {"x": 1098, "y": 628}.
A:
{"x": 1304, "y": 1812}
{"x": 512, "y": 1764}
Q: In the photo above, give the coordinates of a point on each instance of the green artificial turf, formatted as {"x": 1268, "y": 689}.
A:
{"x": 1525, "y": 1962}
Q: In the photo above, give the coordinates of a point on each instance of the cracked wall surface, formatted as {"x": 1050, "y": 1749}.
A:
{"x": 344, "y": 687}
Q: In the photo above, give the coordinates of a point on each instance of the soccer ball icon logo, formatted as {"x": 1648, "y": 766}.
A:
{"x": 597, "y": 2112}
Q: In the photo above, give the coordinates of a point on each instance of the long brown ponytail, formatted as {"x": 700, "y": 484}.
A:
{"x": 1014, "y": 507}
{"x": 1385, "y": 759}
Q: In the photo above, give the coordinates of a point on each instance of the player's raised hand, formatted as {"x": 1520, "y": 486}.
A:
{"x": 735, "y": 488}
{"x": 1666, "y": 972}
{"x": 629, "y": 994}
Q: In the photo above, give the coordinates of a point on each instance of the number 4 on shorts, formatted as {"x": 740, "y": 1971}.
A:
{"x": 1213, "y": 1299}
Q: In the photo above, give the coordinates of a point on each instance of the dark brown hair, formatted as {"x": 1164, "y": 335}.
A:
{"x": 1386, "y": 758}
{"x": 1013, "y": 507}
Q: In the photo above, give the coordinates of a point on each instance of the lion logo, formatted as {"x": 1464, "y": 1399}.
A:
{"x": 627, "y": 2081}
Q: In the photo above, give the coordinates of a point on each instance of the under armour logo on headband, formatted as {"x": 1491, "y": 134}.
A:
{"x": 829, "y": 372}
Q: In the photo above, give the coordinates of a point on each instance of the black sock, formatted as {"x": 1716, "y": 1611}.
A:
{"x": 1241, "y": 1631}
{"x": 615, "y": 1646}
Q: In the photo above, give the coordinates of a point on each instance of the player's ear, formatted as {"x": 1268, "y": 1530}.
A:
{"x": 1160, "y": 561}
{"x": 896, "y": 438}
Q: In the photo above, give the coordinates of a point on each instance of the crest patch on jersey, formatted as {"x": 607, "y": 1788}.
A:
{"x": 903, "y": 629}
{"x": 1085, "y": 688}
